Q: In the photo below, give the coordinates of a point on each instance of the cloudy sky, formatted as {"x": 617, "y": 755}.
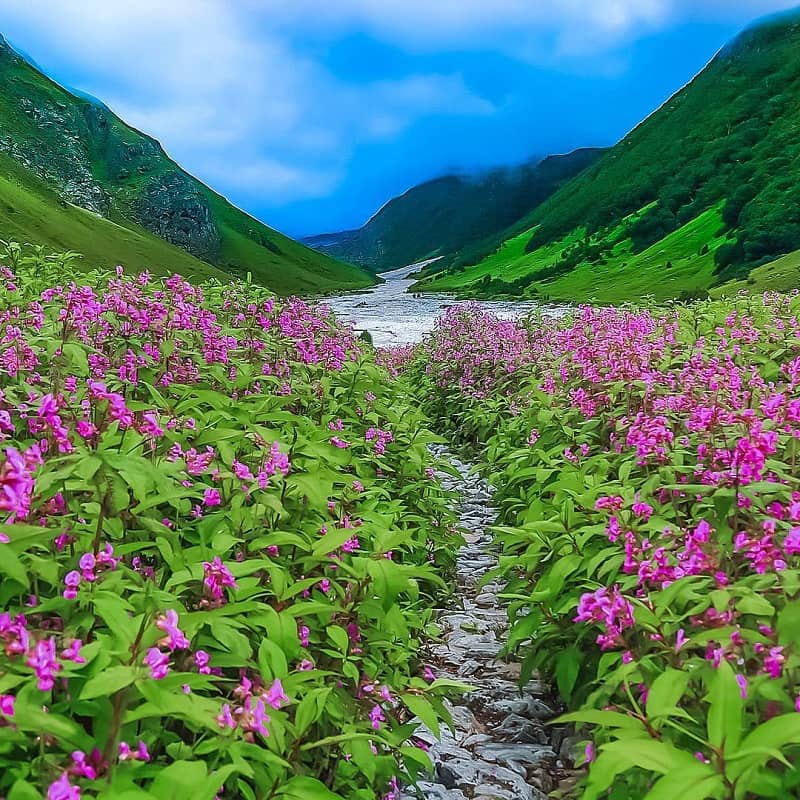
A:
{"x": 311, "y": 113}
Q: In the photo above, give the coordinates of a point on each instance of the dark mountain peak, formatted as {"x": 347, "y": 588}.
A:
{"x": 456, "y": 215}
{"x": 764, "y": 32}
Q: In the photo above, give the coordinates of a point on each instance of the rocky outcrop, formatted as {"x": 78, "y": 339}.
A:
{"x": 82, "y": 150}
{"x": 173, "y": 208}
{"x": 57, "y": 155}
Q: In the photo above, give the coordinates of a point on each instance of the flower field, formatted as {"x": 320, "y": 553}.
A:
{"x": 646, "y": 465}
{"x": 221, "y": 541}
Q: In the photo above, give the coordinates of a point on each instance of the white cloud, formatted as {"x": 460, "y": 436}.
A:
{"x": 219, "y": 84}
{"x": 438, "y": 22}
{"x": 225, "y": 88}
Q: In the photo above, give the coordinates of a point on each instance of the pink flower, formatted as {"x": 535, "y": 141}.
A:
{"x": 62, "y": 789}
{"x": 275, "y": 696}
{"x": 43, "y": 661}
{"x": 225, "y": 718}
{"x": 773, "y": 663}
{"x": 87, "y": 564}
{"x": 242, "y": 471}
{"x": 7, "y": 705}
{"x": 613, "y": 503}
{"x": 376, "y": 717}
{"x": 610, "y": 609}
{"x": 217, "y": 577}
{"x": 72, "y": 581}
{"x": 16, "y": 481}
{"x": 175, "y": 638}
{"x": 257, "y": 717}
{"x": 73, "y": 653}
{"x": 158, "y": 663}
{"x": 212, "y": 497}
{"x": 140, "y": 754}
{"x": 201, "y": 660}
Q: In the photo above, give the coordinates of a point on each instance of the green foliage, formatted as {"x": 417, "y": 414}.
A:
{"x": 338, "y": 627}
{"x": 696, "y": 697}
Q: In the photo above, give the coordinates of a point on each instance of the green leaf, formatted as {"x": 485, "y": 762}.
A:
{"x": 11, "y": 566}
{"x": 421, "y": 708}
{"x": 310, "y": 708}
{"x": 757, "y": 747}
{"x": 108, "y": 682}
{"x": 726, "y": 708}
{"x": 608, "y": 719}
{"x": 22, "y": 790}
{"x": 651, "y": 755}
{"x": 568, "y": 666}
{"x": 693, "y": 782}
{"x": 180, "y": 779}
{"x": 339, "y": 637}
{"x": 666, "y": 691}
{"x": 302, "y": 787}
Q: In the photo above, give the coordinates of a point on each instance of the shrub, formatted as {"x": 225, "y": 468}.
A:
{"x": 220, "y": 544}
{"x": 646, "y": 465}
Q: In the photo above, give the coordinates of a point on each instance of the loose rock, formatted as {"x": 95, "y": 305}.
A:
{"x": 501, "y": 749}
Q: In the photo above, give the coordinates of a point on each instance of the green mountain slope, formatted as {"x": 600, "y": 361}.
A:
{"x": 452, "y": 216}
{"x": 705, "y": 189}
{"x": 75, "y": 176}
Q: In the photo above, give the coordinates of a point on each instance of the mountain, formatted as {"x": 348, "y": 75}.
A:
{"x": 453, "y": 215}
{"x": 704, "y": 191}
{"x": 74, "y": 176}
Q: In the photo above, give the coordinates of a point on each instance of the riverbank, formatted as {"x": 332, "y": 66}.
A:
{"x": 393, "y": 316}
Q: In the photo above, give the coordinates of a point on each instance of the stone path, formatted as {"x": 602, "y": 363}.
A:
{"x": 502, "y": 749}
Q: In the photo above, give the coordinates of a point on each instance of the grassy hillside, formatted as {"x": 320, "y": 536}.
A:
{"x": 453, "y": 216}
{"x": 681, "y": 264}
{"x": 31, "y": 211}
{"x": 718, "y": 165}
{"x": 75, "y": 176}
{"x": 782, "y": 275}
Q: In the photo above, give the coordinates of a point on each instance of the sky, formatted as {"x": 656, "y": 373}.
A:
{"x": 310, "y": 114}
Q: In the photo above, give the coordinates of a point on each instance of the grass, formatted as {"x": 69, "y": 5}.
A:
{"x": 30, "y": 211}
{"x": 781, "y": 275}
{"x": 622, "y": 276}
{"x": 628, "y": 276}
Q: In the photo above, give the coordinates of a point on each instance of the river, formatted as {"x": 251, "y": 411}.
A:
{"x": 393, "y": 316}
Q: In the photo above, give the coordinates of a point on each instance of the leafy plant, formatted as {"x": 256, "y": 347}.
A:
{"x": 221, "y": 541}
{"x": 646, "y": 465}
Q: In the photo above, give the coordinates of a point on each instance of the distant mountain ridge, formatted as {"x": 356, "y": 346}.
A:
{"x": 450, "y": 215}
{"x": 703, "y": 191}
{"x": 61, "y": 149}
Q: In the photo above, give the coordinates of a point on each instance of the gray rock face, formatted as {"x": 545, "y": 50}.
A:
{"x": 80, "y": 149}
{"x": 173, "y": 208}
{"x": 500, "y": 750}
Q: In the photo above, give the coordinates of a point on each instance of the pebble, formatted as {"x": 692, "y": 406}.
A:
{"x": 501, "y": 750}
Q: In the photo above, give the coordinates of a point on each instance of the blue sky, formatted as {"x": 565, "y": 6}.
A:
{"x": 311, "y": 114}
